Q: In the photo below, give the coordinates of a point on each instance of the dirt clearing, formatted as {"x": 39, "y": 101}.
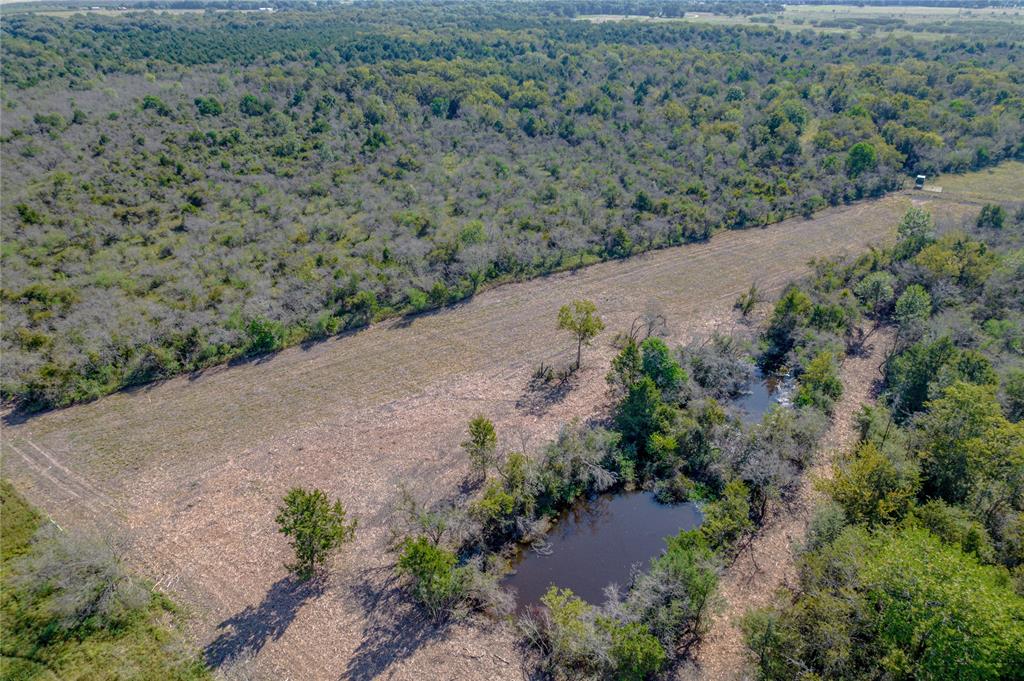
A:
{"x": 190, "y": 471}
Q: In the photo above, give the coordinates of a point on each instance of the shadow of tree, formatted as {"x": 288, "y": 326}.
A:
{"x": 247, "y": 632}
{"x": 540, "y": 395}
{"x": 395, "y": 628}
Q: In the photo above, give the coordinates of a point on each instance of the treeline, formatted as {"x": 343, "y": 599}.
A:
{"x": 180, "y": 192}
{"x": 972, "y": 4}
{"x": 914, "y": 566}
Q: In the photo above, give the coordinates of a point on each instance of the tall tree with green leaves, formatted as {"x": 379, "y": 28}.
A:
{"x": 580, "y": 317}
{"x": 315, "y": 526}
{"x": 481, "y": 445}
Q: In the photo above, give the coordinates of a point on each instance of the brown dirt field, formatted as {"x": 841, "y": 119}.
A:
{"x": 767, "y": 564}
{"x": 190, "y": 470}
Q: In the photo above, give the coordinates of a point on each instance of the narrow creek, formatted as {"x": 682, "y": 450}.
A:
{"x": 763, "y": 391}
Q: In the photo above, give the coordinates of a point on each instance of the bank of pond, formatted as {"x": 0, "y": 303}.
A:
{"x": 604, "y": 539}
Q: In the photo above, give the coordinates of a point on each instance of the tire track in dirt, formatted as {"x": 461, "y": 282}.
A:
{"x": 72, "y": 488}
{"x": 767, "y": 564}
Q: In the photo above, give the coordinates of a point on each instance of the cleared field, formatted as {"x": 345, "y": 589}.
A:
{"x": 190, "y": 471}
{"x": 1005, "y": 182}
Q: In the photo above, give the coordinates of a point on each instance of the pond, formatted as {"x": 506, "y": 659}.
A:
{"x": 597, "y": 543}
{"x": 763, "y": 391}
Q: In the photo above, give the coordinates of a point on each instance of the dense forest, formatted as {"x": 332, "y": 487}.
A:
{"x": 183, "y": 190}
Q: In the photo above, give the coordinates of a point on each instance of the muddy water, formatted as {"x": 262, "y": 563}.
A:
{"x": 597, "y": 543}
{"x": 763, "y": 392}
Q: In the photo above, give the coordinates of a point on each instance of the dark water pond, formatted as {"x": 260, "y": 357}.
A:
{"x": 596, "y": 543}
{"x": 763, "y": 391}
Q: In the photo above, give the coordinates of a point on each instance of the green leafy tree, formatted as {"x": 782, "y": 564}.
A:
{"x": 940, "y": 615}
{"x": 791, "y": 311}
{"x": 640, "y": 414}
{"x": 950, "y": 440}
{"x": 819, "y": 383}
{"x": 913, "y": 308}
{"x": 916, "y": 230}
{"x": 251, "y": 106}
{"x": 208, "y": 106}
{"x": 875, "y": 292}
{"x": 495, "y": 511}
{"x": 874, "y": 487}
{"x": 627, "y": 368}
{"x": 727, "y": 519}
{"x": 265, "y": 335}
{"x": 891, "y": 604}
{"x": 909, "y": 374}
{"x": 1013, "y": 389}
{"x": 992, "y": 216}
{"x": 315, "y": 527}
{"x": 581, "y": 319}
{"x": 437, "y": 583}
{"x": 662, "y": 368}
{"x": 861, "y": 158}
{"x": 481, "y": 445}
{"x": 573, "y": 640}
{"x": 678, "y": 595}
{"x": 636, "y": 653}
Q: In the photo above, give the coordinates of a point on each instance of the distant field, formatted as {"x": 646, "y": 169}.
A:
{"x": 1005, "y": 182}
{"x": 822, "y": 18}
{"x": 190, "y": 470}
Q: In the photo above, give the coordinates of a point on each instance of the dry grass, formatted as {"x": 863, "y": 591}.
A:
{"x": 191, "y": 470}
{"x": 1001, "y": 183}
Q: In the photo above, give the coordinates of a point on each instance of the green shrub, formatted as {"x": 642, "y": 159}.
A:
{"x": 70, "y": 610}
{"x": 636, "y": 654}
{"x": 820, "y": 386}
{"x": 727, "y": 519}
{"x": 315, "y": 527}
{"x": 437, "y": 583}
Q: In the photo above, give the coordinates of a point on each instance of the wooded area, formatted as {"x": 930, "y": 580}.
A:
{"x": 183, "y": 191}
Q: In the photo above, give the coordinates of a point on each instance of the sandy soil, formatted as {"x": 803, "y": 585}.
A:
{"x": 190, "y": 471}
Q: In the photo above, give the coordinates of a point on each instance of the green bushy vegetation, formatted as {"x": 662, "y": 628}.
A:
{"x": 181, "y": 190}
{"x": 315, "y": 527}
{"x": 914, "y": 568}
{"x": 668, "y": 434}
{"x": 70, "y": 610}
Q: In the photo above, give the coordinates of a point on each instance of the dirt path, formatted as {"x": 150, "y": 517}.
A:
{"x": 194, "y": 467}
{"x": 768, "y": 563}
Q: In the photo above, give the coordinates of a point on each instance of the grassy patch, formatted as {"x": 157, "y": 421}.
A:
{"x": 998, "y": 184}
{"x": 41, "y": 637}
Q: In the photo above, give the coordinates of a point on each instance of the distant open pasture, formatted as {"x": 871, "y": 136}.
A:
{"x": 906, "y": 20}
{"x": 190, "y": 470}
